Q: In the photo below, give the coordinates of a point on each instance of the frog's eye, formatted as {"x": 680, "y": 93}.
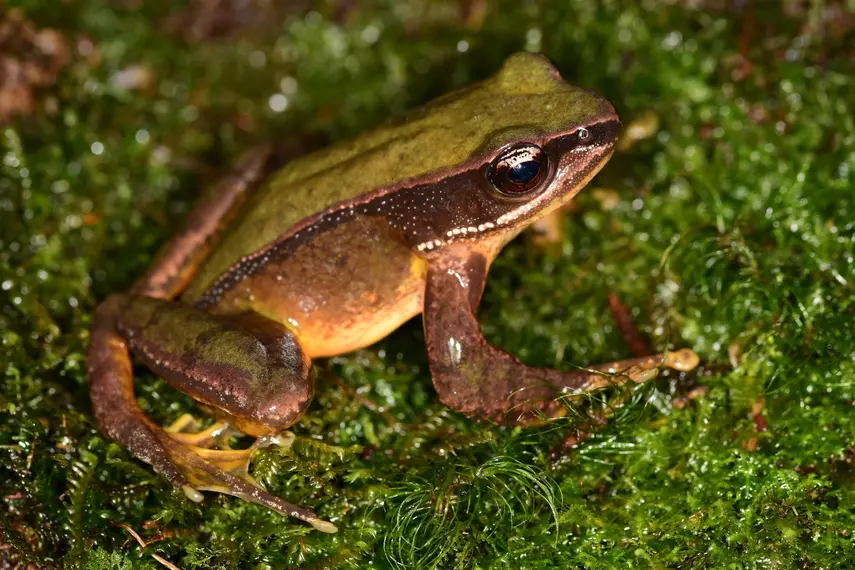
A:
{"x": 519, "y": 169}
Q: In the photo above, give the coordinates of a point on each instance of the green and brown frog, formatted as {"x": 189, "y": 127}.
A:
{"x": 336, "y": 250}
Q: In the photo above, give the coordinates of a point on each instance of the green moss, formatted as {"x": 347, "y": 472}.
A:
{"x": 733, "y": 230}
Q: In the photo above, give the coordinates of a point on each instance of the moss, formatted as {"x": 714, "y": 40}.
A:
{"x": 732, "y": 234}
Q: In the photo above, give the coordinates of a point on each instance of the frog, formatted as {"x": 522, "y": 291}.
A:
{"x": 280, "y": 265}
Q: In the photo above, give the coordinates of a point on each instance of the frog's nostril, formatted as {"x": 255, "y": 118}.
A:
{"x": 602, "y": 133}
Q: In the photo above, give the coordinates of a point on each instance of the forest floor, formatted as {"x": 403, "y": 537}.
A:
{"x": 726, "y": 224}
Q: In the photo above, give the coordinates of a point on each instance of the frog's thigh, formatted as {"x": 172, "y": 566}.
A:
{"x": 249, "y": 370}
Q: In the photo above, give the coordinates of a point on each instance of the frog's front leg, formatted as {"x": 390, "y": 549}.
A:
{"x": 482, "y": 381}
{"x": 247, "y": 369}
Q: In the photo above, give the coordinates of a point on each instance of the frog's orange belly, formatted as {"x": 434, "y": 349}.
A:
{"x": 346, "y": 318}
{"x": 345, "y": 289}
{"x": 343, "y": 330}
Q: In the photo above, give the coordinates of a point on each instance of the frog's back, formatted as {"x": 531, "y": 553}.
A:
{"x": 436, "y": 138}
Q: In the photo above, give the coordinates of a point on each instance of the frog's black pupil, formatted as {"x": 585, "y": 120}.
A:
{"x": 524, "y": 172}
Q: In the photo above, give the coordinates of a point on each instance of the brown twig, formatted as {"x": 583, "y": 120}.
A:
{"x": 626, "y": 324}
{"x": 143, "y": 544}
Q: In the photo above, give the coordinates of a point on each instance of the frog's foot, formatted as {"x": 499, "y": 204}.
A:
{"x": 236, "y": 461}
{"x": 638, "y": 370}
{"x": 211, "y": 444}
{"x": 225, "y": 471}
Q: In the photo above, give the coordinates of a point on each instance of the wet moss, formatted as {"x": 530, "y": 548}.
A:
{"x": 732, "y": 233}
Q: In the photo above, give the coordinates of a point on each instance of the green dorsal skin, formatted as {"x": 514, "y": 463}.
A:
{"x": 526, "y": 95}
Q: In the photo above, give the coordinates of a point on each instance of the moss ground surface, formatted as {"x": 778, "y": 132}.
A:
{"x": 730, "y": 230}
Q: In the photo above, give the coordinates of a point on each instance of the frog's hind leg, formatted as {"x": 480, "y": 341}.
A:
{"x": 185, "y": 464}
{"x": 250, "y": 371}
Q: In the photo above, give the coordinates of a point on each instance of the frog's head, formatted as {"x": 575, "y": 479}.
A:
{"x": 537, "y": 141}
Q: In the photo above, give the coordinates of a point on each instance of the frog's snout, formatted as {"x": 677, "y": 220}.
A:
{"x": 608, "y": 111}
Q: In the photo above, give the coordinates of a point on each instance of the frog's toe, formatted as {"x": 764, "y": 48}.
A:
{"x": 233, "y": 461}
{"x": 186, "y": 421}
{"x": 236, "y": 461}
{"x": 214, "y": 435}
{"x": 225, "y": 471}
{"x": 641, "y": 374}
{"x": 683, "y": 360}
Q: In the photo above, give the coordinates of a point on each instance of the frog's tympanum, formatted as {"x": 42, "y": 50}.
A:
{"x": 335, "y": 251}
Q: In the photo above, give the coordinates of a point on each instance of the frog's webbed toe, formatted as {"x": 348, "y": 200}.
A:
{"x": 212, "y": 443}
{"x": 223, "y": 471}
{"x": 236, "y": 461}
{"x": 184, "y": 430}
